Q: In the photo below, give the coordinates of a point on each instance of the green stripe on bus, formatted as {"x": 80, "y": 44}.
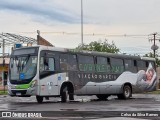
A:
{"x": 23, "y": 86}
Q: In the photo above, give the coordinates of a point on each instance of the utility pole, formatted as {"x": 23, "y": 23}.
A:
{"x": 3, "y": 71}
{"x": 82, "y": 23}
{"x": 154, "y": 47}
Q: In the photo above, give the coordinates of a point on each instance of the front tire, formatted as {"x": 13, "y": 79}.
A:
{"x": 65, "y": 93}
{"x": 39, "y": 99}
{"x": 71, "y": 96}
{"x": 64, "y": 96}
{"x": 127, "y": 93}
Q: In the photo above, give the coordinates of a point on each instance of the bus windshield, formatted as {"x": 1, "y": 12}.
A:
{"x": 23, "y": 67}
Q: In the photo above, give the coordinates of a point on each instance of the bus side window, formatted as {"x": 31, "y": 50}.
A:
{"x": 72, "y": 62}
{"x": 135, "y": 63}
{"x": 141, "y": 65}
{"x": 108, "y": 61}
{"x": 68, "y": 62}
{"x": 127, "y": 64}
{"x": 147, "y": 64}
{"x": 86, "y": 63}
{"x": 47, "y": 64}
{"x": 103, "y": 64}
{"x": 63, "y": 62}
{"x": 117, "y": 65}
{"x": 51, "y": 64}
{"x": 135, "y": 67}
{"x": 41, "y": 66}
{"x": 130, "y": 65}
{"x": 153, "y": 65}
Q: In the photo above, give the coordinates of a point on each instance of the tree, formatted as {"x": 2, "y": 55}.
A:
{"x": 99, "y": 46}
{"x": 156, "y": 57}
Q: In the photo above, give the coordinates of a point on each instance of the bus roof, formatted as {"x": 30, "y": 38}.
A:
{"x": 59, "y": 49}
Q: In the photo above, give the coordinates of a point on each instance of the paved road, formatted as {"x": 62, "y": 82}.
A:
{"x": 87, "y": 107}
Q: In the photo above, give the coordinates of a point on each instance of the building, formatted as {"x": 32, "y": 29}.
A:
{"x": 4, "y": 62}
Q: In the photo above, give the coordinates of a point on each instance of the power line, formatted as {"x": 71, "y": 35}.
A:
{"x": 89, "y": 34}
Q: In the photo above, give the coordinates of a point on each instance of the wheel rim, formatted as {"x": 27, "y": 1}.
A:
{"x": 127, "y": 92}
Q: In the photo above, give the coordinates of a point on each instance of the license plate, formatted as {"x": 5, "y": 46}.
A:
{"x": 18, "y": 94}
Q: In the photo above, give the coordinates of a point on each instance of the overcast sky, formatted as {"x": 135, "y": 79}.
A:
{"x": 59, "y": 21}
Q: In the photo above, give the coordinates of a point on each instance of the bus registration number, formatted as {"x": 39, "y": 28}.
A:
{"x": 18, "y": 93}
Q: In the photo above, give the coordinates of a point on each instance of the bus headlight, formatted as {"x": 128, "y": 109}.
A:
{"x": 33, "y": 83}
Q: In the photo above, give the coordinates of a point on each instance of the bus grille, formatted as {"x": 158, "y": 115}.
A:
{"x": 23, "y": 92}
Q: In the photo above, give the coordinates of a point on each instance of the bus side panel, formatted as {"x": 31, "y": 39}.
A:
{"x": 49, "y": 85}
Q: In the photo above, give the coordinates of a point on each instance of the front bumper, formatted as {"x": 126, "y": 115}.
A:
{"x": 22, "y": 92}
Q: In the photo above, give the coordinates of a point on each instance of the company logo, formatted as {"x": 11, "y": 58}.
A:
{"x": 6, "y": 114}
{"x": 21, "y": 114}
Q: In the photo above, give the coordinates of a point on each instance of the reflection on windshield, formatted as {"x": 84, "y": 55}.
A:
{"x": 23, "y": 67}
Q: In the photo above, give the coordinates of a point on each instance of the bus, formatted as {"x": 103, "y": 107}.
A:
{"x": 45, "y": 72}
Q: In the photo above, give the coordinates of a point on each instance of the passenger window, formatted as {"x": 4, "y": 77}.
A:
{"x": 47, "y": 64}
{"x": 63, "y": 62}
{"x": 86, "y": 63}
{"x": 51, "y": 64}
{"x": 117, "y": 65}
{"x": 72, "y": 61}
{"x": 68, "y": 62}
{"x": 153, "y": 64}
{"x": 130, "y": 65}
{"x": 41, "y": 66}
{"x": 147, "y": 64}
{"x": 103, "y": 64}
{"x": 141, "y": 65}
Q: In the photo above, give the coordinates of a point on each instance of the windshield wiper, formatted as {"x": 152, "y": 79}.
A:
{"x": 25, "y": 62}
{"x": 17, "y": 62}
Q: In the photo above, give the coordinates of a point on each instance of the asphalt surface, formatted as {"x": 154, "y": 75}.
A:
{"x": 140, "y": 106}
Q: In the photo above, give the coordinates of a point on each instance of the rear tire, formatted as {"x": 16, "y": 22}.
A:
{"x": 127, "y": 93}
{"x": 102, "y": 96}
{"x": 39, "y": 99}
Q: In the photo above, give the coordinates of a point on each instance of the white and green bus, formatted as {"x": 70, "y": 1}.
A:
{"x": 43, "y": 71}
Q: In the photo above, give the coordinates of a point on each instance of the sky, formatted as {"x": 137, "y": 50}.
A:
{"x": 129, "y": 23}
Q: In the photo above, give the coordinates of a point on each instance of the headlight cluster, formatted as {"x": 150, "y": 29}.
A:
{"x": 34, "y": 83}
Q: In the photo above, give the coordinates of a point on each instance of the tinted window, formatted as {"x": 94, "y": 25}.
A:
{"x": 153, "y": 64}
{"x": 117, "y": 65}
{"x": 68, "y": 62}
{"x": 47, "y": 64}
{"x": 102, "y": 65}
{"x": 86, "y": 63}
{"x": 142, "y": 65}
{"x": 63, "y": 62}
{"x": 130, "y": 65}
{"x": 72, "y": 61}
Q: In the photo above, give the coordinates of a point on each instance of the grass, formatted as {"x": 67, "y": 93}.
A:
{"x": 154, "y": 92}
{"x": 2, "y": 92}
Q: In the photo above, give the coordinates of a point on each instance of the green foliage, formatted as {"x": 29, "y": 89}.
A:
{"x": 156, "y": 57}
{"x": 100, "y": 47}
{"x": 2, "y": 92}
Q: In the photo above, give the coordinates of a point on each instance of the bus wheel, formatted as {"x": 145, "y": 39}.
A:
{"x": 39, "y": 99}
{"x": 127, "y": 93}
{"x": 71, "y": 96}
{"x": 64, "y": 96}
{"x": 102, "y": 97}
